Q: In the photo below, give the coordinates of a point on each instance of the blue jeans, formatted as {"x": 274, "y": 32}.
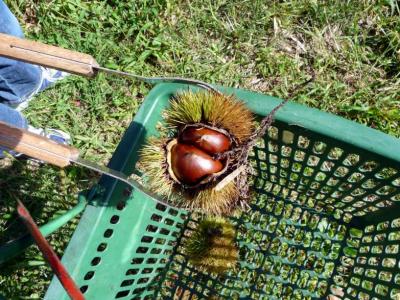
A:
{"x": 18, "y": 80}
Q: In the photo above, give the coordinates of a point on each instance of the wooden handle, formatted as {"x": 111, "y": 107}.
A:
{"x": 36, "y": 146}
{"x": 47, "y": 56}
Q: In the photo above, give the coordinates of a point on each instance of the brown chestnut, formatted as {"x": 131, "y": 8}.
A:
{"x": 208, "y": 140}
{"x": 190, "y": 164}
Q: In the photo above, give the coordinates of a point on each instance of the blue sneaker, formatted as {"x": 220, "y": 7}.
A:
{"x": 49, "y": 77}
{"x": 56, "y": 135}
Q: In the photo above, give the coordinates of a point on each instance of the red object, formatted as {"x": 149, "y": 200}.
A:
{"x": 49, "y": 254}
{"x": 191, "y": 165}
{"x": 208, "y": 140}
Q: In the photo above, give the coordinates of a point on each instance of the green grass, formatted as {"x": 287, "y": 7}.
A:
{"x": 353, "y": 47}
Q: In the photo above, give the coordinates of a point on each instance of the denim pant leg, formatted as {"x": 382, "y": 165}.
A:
{"x": 12, "y": 117}
{"x": 18, "y": 80}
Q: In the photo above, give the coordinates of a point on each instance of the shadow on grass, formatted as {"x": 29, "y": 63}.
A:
{"x": 46, "y": 191}
{"x": 43, "y": 189}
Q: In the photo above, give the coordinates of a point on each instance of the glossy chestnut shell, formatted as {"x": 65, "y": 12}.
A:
{"x": 206, "y": 139}
{"x": 190, "y": 164}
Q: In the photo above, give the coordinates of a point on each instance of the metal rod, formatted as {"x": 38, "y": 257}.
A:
{"x": 155, "y": 80}
{"x": 151, "y": 80}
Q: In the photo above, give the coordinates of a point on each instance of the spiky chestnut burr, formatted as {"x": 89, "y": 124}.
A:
{"x": 211, "y": 247}
{"x": 186, "y": 168}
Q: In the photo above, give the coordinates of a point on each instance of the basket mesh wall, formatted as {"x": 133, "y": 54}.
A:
{"x": 298, "y": 241}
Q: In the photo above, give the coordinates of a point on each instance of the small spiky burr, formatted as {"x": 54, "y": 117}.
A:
{"x": 211, "y": 247}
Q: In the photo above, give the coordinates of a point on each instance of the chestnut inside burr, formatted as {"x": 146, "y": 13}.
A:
{"x": 190, "y": 156}
{"x": 190, "y": 164}
{"x": 209, "y": 140}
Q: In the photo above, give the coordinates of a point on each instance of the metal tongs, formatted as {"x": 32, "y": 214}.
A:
{"x": 73, "y": 62}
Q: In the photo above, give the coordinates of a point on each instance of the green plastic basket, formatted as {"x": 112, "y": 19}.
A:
{"x": 325, "y": 216}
